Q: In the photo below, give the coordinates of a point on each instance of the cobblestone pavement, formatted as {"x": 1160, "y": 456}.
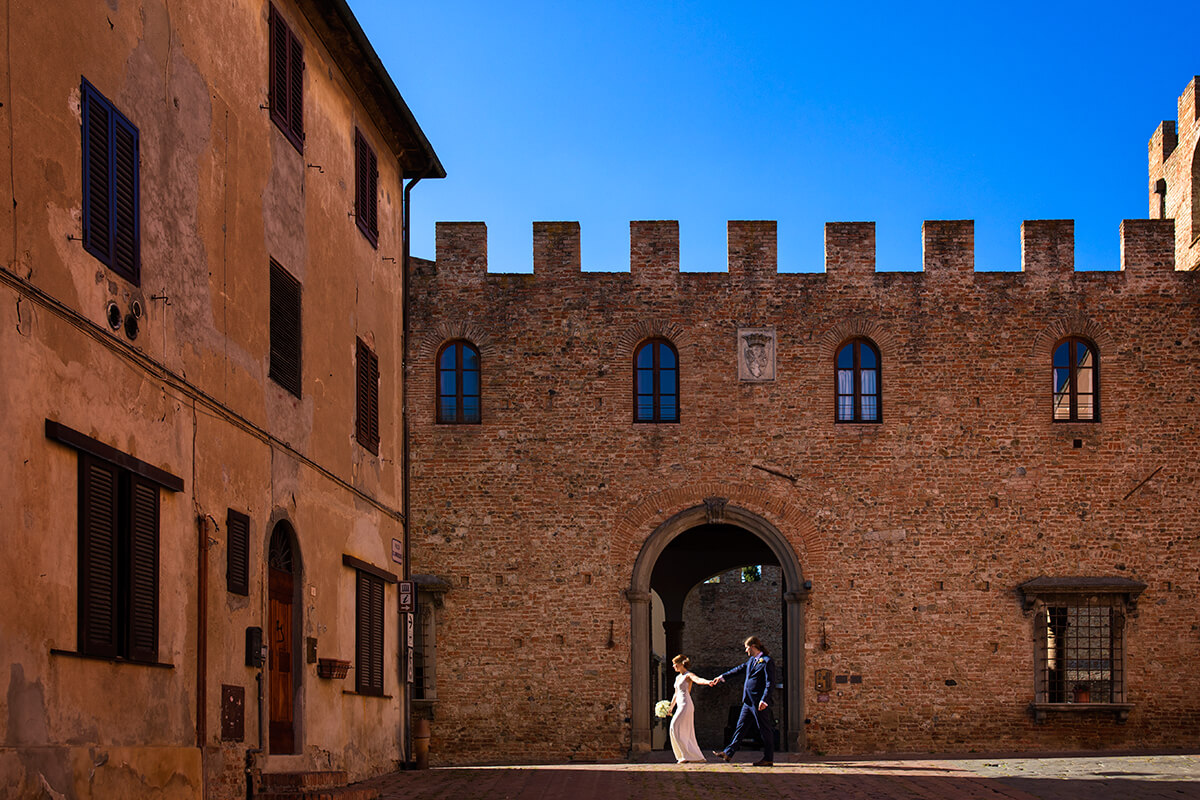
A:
{"x": 1059, "y": 777}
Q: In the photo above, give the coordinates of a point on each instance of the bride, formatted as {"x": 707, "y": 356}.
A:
{"x": 683, "y": 724}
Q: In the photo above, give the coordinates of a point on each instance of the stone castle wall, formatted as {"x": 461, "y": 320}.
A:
{"x": 914, "y": 532}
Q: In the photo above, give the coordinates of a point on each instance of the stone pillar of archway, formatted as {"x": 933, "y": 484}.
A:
{"x": 674, "y": 631}
{"x": 794, "y": 620}
{"x": 639, "y": 668}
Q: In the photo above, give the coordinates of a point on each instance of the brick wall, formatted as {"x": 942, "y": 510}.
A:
{"x": 915, "y": 532}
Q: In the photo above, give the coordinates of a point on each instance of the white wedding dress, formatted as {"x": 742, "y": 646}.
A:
{"x": 683, "y": 724}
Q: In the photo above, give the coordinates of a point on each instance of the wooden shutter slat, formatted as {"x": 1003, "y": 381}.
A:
{"x": 125, "y": 200}
{"x": 143, "y": 570}
{"x": 237, "y": 558}
{"x": 97, "y": 221}
{"x": 285, "y": 325}
{"x": 98, "y": 506}
{"x": 376, "y": 635}
{"x": 295, "y": 72}
{"x": 373, "y": 401}
{"x": 278, "y": 100}
{"x": 362, "y": 677}
{"x": 372, "y": 191}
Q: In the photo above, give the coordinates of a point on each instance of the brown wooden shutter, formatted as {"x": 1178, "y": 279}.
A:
{"x": 143, "y": 569}
{"x": 368, "y": 665}
{"x": 237, "y": 553}
{"x": 97, "y": 222}
{"x": 367, "y": 397}
{"x": 98, "y": 504}
{"x": 296, "y": 87}
{"x": 279, "y": 73}
{"x": 373, "y": 196}
{"x": 125, "y": 258}
{"x": 286, "y": 339}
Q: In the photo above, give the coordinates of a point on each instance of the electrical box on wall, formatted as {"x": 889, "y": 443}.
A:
{"x": 255, "y": 651}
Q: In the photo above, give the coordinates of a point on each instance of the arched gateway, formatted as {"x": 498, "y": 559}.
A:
{"x": 716, "y": 511}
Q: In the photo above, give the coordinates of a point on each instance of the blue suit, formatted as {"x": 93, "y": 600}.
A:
{"x": 759, "y": 672}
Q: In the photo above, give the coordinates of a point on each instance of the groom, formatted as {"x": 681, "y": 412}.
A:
{"x": 759, "y": 673}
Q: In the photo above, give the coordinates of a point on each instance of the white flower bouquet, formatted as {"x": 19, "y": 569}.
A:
{"x": 662, "y": 709}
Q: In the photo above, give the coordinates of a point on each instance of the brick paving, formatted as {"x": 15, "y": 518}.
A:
{"x": 1060, "y": 777}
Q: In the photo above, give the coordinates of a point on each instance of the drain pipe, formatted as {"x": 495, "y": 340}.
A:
{"x": 251, "y": 752}
{"x": 406, "y": 223}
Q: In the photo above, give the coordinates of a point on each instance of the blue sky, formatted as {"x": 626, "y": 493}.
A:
{"x": 705, "y": 112}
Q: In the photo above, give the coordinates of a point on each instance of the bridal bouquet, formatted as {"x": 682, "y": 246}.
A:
{"x": 662, "y": 709}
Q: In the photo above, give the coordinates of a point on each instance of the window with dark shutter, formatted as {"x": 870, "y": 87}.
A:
{"x": 110, "y": 186}
{"x": 285, "y": 329}
{"x": 237, "y": 553}
{"x": 286, "y": 80}
{"x": 366, "y": 189}
{"x": 367, "y": 418}
{"x": 118, "y": 562}
{"x": 368, "y": 665}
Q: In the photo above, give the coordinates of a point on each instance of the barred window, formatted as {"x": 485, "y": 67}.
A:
{"x": 1079, "y": 631}
{"x": 424, "y": 652}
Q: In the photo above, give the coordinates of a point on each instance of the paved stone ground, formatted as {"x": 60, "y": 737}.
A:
{"x": 1104, "y": 776}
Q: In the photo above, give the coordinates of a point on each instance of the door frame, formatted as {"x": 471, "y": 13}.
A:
{"x": 283, "y": 527}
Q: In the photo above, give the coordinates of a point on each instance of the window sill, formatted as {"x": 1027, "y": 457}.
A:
{"x": 367, "y": 694}
{"x": 1120, "y": 711}
{"x": 424, "y": 702}
{"x": 110, "y": 659}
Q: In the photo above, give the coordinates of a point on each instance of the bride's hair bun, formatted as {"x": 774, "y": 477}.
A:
{"x": 682, "y": 659}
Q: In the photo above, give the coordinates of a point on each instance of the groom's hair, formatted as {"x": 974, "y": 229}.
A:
{"x": 753, "y": 641}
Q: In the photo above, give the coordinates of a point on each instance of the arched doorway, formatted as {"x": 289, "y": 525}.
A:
{"x": 697, "y": 530}
{"x": 283, "y": 611}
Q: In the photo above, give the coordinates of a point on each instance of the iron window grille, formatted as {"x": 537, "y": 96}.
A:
{"x": 1076, "y": 381}
{"x": 111, "y": 224}
{"x": 858, "y": 382}
{"x": 1079, "y": 634}
{"x": 459, "y": 373}
{"x": 656, "y": 382}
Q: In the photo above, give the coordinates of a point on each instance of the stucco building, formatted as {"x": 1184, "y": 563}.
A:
{"x": 977, "y": 488}
{"x": 202, "y": 397}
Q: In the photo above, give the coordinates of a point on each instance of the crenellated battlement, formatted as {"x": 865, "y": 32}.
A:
{"x": 1047, "y": 250}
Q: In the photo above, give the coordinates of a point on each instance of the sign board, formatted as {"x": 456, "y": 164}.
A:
{"x": 410, "y": 665}
{"x": 408, "y": 597}
{"x": 409, "y": 625}
{"x": 397, "y": 551}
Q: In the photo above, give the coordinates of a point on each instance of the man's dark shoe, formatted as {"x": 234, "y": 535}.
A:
{"x": 764, "y": 763}
{"x": 721, "y": 754}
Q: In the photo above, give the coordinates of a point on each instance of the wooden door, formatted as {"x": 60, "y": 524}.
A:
{"x": 282, "y": 686}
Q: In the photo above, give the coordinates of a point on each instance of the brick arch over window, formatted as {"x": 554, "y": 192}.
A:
{"x": 726, "y": 509}
{"x": 1078, "y": 325}
{"x": 432, "y": 342}
{"x": 856, "y": 328}
{"x": 633, "y": 336}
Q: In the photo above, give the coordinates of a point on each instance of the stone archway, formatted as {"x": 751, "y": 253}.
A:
{"x": 795, "y": 591}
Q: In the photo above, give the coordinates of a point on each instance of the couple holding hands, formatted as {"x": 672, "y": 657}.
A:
{"x": 759, "y": 675}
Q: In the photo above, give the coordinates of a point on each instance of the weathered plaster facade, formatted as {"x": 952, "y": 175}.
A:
{"x": 902, "y": 544}
{"x": 222, "y": 193}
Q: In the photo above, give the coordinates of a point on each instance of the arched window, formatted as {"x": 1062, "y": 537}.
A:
{"x": 1076, "y": 371}
{"x": 458, "y": 383}
{"x": 858, "y": 398}
{"x": 656, "y": 382}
